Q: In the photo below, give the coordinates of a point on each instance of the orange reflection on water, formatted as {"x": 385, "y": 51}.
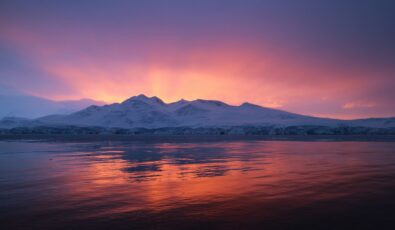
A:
{"x": 241, "y": 181}
{"x": 160, "y": 177}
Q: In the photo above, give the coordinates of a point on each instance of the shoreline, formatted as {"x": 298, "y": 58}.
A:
{"x": 191, "y": 138}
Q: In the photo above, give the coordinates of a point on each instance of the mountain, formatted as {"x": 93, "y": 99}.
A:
{"x": 27, "y": 106}
{"x": 152, "y": 113}
{"x": 11, "y": 122}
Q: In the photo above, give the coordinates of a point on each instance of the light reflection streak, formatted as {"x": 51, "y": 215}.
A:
{"x": 249, "y": 179}
{"x": 162, "y": 177}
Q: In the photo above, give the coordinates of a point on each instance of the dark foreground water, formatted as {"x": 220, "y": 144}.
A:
{"x": 202, "y": 185}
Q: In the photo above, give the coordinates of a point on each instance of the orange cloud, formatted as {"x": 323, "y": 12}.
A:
{"x": 231, "y": 71}
{"x": 359, "y": 104}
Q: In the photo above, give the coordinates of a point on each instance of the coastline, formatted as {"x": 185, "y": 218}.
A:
{"x": 191, "y": 138}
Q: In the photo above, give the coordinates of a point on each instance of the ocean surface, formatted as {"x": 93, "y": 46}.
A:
{"x": 238, "y": 184}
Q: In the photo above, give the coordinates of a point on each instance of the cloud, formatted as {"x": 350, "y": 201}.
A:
{"x": 359, "y": 104}
{"x": 264, "y": 52}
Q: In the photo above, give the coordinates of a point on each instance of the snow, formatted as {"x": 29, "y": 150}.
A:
{"x": 152, "y": 113}
{"x": 34, "y": 107}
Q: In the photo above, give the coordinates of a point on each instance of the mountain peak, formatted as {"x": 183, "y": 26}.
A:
{"x": 144, "y": 98}
{"x": 247, "y": 104}
{"x": 151, "y": 112}
{"x": 141, "y": 96}
{"x": 211, "y": 102}
{"x": 180, "y": 102}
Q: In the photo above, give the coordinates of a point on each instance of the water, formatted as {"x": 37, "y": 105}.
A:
{"x": 201, "y": 185}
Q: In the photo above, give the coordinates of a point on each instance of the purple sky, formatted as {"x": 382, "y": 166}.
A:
{"x": 325, "y": 58}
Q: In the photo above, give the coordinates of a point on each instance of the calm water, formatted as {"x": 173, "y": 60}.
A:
{"x": 212, "y": 185}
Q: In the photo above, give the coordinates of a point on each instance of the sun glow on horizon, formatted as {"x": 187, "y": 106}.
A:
{"x": 243, "y": 57}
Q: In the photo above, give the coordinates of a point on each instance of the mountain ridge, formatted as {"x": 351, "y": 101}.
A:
{"x": 151, "y": 112}
{"x": 28, "y": 106}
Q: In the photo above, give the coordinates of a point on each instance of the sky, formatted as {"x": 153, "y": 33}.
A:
{"x": 324, "y": 58}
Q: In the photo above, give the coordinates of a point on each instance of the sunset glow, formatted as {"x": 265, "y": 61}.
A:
{"x": 197, "y": 114}
{"x": 263, "y": 53}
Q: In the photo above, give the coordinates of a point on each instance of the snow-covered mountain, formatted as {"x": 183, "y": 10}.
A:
{"x": 151, "y": 112}
{"x": 20, "y": 105}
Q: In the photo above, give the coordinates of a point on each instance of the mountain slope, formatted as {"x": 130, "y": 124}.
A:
{"x": 33, "y": 107}
{"x": 151, "y": 112}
